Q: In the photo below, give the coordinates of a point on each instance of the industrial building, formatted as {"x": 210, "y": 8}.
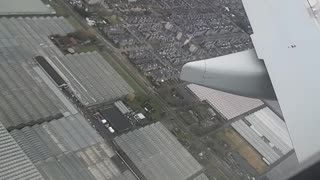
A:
{"x": 26, "y": 98}
{"x": 25, "y": 7}
{"x": 14, "y": 163}
{"x": 157, "y": 153}
{"x": 49, "y": 138}
{"x": 122, "y": 107}
{"x": 28, "y": 94}
{"x": 202, "y": 176}
{"x": 51, "y": 132}
{"x": 267, "y": 133}
{"x": 69, "y": 148}
{"x": 92, "y": 78}
{"x": 227, "y": 105}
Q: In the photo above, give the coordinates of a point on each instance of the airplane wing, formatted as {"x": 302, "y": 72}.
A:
{"x": 286, "y": 38}
{"x": 240, "y": 73}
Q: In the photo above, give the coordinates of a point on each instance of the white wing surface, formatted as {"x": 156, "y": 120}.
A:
{"x": 286, "y": 37}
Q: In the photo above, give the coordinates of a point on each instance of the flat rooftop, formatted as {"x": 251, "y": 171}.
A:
{"x": 92, "y": 78}
{"x": 69, "y": 148}
{"x": 116, "y": 119}
{"x": 25, "y": 7}
{"x": 158, "y": 154}
{"x": 25, "y": 98}
{"x": 228, "y": 105}
{"x": 266, "y": 132}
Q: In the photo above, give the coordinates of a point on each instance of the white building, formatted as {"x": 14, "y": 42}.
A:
{"x": 227, "y": 105}
{"x": 267, "y": 133}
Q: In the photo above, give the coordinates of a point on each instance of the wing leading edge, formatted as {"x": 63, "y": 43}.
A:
{"x": 240, "y": 73}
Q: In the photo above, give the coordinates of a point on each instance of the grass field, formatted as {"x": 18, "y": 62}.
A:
{"x": 237, "y": 143}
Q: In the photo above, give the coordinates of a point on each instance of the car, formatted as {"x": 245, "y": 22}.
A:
{"x": 104, "y": 121}
{"x": 111, "y": 129}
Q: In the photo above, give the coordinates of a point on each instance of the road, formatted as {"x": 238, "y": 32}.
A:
{"x": 142, "y": 41}
{"x": 127, "y": 68}
{"x": 116, "y": 58}
{"x": 229, "y": 122}
{"x": 130, "y": 72}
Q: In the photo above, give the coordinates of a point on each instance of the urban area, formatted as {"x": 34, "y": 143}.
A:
{"x": 90, "y": 90}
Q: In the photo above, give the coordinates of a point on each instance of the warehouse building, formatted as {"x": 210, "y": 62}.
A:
{"x": 122, "y": 107}
{"x": 92, "y": 79}
{"x": 202, "y": 176}
{"x": 25, "y": 7}
{"x": 23, "y": 100}
{"x": 48, "y": 138}
{"x": 267, "y": 133}
{"x": 14, "y": 163}
{"x": 27, "y": 94}
{"x": 228, "y": 105}
{"x": 26, "y": 97}
{"x": 158, "y": 154}
{"x": 69, "y": 148}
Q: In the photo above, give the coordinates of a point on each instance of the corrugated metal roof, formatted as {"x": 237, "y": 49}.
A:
{"x": 73, "y": 133}
{"x": 14, "y": 164}
{"x": 25, "y": 7}
{"x": 25, "y": 97}
{"x": 202, "y": 176}
{"x": 92, "y": 79}
{"x": 31, "y": 144}
{"x": 57, "y": 137}
{"x": 256, "y": 141}
{"x": 272, "y": 127}
{"x": 157, "y": 153}
{"x": 68, "y": 148}
{"x": 64, "y": 166}
{"x": 122, "y": 107}
{"x": 228, "y": 105}
{"x": 266, "y": 132}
